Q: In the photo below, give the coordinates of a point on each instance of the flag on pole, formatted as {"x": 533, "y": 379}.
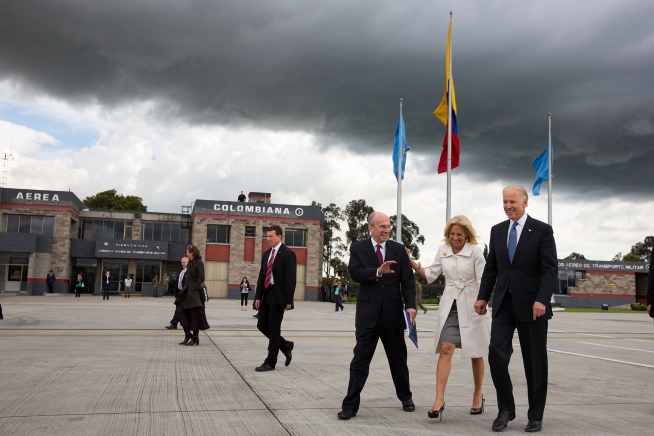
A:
{"x": 541, "y": 164}
{"x": 441, "y": 113}
{"x": 400, "y": 145}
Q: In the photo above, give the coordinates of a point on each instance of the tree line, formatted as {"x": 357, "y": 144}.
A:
{"x": 640, "y": 252}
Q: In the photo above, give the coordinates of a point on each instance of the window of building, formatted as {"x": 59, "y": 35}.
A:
{"x": 296, "y": 238}
{"x": 250, "y": 231}
{"x": 218, "y": 234}
{"x": 37, "y": 224}
{"x": 98, "y": 228}
{"x": 166, "y": 232}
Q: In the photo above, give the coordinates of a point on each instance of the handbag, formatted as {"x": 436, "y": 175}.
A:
{"x": 204, "y": 294}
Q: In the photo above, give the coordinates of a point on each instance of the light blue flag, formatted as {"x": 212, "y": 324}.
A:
{"x": 540, "y": 165}
{"x": 400, "y": 145}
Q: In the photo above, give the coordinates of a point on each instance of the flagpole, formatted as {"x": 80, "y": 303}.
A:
{"x": 448, "y": 211}
{"x": 549, "y": 172}
{"x": 400, "y": 173}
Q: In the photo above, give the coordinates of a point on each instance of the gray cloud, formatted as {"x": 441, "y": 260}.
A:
{"x": 337, "y": 69}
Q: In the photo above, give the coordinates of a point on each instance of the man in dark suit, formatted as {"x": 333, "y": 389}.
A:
{"x": 522, "y": 269}
{"x": 274, "y": 296}
{"x": 178, "y": 286}
{"x": 106, "y": 285}
{"x": 383, "y": 270}
{"x": 49, "y": 280}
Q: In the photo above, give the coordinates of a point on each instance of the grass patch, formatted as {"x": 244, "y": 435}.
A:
{"x": 591, "y": 310}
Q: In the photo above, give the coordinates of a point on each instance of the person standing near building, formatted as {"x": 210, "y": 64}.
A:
{"x": 245, "y": 291}
{"x": 419, "y": 297}
{"x": 274, "y": 296}
{"x": 337, "y": 297}
{"x": 382, "y": 268}
{"x": 128, "y": 286}
{"x": 79, "y": 285}
{"x": 241, "y": 197}
{"x": 522, "y": 269}
{"x": 106, "y": 283}
{"x": 49, "y": 280}
{"x": 181, "y": 281}
{"x": 165, "y": 280}
{"x": 325, "y": 292}
{"x": 155, "y": 286}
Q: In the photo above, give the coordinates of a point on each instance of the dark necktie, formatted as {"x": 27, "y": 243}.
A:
{"x": 513, "y": 241}
{"x": 380, "y": 258}
{"x": 266, "y": 283}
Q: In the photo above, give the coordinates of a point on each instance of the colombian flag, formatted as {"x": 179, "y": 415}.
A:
{"x": 441, "y": 113}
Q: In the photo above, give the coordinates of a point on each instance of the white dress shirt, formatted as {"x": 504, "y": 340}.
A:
{"x": 273, "y": 252}
{"x": 180, "y": 279}
{"x": 518, "y": 229}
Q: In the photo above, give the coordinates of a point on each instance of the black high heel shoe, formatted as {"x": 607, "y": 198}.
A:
{"x": 187, "y": 338}
{"x": 480, "y": 410}
{"x": 437, "y": 413}
{"x": 195, "y": 341}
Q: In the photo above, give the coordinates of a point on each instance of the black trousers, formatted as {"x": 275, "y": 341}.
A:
{"x": 533, "y": 345}
{"x": 395, "y": 348}
{"x": 270, "y": 324}
{"x": 78, "y": 291}
{"x": 244, "y": 299}
{"x": 50, "y": 288}
{"x": 105, "y": 291}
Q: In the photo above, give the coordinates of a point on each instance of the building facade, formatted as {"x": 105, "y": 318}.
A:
{"x": 43, "y": 230}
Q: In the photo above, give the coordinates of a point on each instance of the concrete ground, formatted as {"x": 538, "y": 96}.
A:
{"x": 93, "y": 367}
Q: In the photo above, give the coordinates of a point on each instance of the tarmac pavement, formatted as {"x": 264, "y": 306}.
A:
{"x": 94, "y": 367}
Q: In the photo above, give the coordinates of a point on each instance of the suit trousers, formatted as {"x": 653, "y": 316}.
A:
{"x": 396, "y": 353}
{"x": 270, "y": 324}
{"x": 533, "y": 345}
{"x": 105, "y": 290}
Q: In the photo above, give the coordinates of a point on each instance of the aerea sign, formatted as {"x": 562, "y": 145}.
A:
{"x": 266, "y": 210}
{"x": 37, "y": 196}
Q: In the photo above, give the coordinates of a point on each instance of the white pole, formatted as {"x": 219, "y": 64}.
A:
{"x": 448, "y": 211}
{"x": 550, "y": 160}
{"x": 398, "y": 234}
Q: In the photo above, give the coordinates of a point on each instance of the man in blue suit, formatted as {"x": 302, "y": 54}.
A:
{"x": 387, "y": 284}
{"x": 522, "y": 269}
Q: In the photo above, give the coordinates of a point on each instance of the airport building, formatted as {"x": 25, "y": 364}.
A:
{"x": 53, "y": 230}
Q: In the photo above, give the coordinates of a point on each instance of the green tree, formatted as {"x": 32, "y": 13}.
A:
{"x": 631, "y": 257}
{"x": 617, "y": 257}
{"x": 576, "y": 256}
{"x": 340, "y": 269}
{"x": 111, "y": 200}
{"x": 356, "y": 215}
{"x": 643, "y": 249}
{"x": 331, "y": 243}
{"x": 411, "y": 236}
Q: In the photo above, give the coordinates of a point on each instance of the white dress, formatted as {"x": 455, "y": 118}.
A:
{"x": 462, "y": 273}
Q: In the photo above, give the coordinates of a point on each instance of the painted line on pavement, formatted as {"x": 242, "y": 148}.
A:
{"x": 599, "y": 336}
{"x": 613, "y": 346}
{"x": 596, "y": 357}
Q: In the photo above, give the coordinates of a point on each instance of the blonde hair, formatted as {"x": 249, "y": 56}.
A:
{"x": 464, "y": 222}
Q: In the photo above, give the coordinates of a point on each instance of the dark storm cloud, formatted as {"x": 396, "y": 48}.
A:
{"x": 337, "y": 69}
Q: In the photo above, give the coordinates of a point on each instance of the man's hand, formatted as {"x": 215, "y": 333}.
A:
{"x": 385, "y": 267}
{"x": 649, "y": 307}
{"x": 539, "y": 310}
{"x": 288, "y": 307}
{"x": 480, "y": 307}
{"x": 412, "y": 315}
{"x": 256, "y": 304}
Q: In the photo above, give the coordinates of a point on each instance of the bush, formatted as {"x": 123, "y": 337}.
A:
{"x": 638, "y": 306}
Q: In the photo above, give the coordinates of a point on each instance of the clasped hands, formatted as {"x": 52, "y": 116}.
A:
{"x": 538, "y": 309}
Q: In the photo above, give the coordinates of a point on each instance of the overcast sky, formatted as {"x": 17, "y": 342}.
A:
{"x": 178, "y": 100}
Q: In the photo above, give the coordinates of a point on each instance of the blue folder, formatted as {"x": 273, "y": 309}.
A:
{"x": 411, "y": 329}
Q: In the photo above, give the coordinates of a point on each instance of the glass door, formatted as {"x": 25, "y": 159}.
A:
{"x": 118, "y": 271}
{"x": 145, "y": 272}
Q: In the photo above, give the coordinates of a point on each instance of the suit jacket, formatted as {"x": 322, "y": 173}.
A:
{"x": 533, "y": 275}
{"x": 190, "y": 297}
{"x": 284, "y": 272}
{"x": 384, "y": 296}
{"x": 176, "y": 283}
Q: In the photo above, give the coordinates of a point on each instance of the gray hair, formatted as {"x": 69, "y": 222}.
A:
{"x": 521, "y": 189}
{"x": 371, "y": 218}
{"x": 185, "y": 257}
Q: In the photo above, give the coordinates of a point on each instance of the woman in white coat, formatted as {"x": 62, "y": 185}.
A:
{"x": 462, "y": 264}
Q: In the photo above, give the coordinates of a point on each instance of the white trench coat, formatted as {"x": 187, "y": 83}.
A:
{"x": 462, "y": 273}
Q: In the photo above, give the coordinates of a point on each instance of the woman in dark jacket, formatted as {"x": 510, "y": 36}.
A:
{"x": 190, "y": 303}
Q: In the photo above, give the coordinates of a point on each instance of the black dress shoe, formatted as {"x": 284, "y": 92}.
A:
{"x": 533, "y": 426}
{"x": 289, "y": 353}
{"x": 346, "y": 414}
{"x": 408, "y": 405}
{"x": 171, "y": 326}
{"x": 263, "y": 368}
{"x": 503, "y": 419}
